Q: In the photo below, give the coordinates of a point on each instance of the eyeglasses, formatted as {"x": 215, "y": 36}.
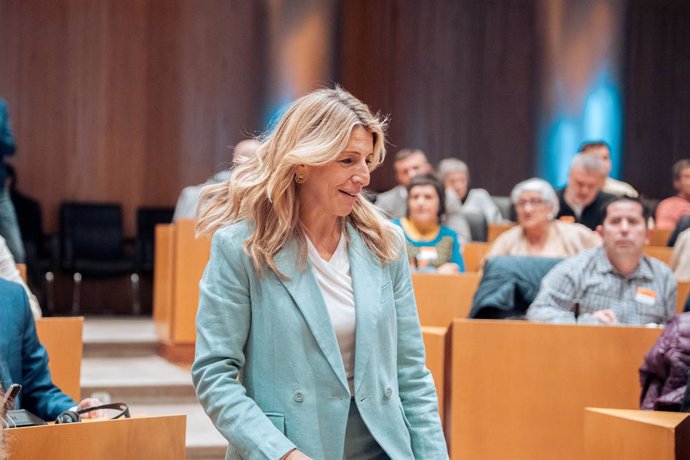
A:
{"x": 533, "y": 203}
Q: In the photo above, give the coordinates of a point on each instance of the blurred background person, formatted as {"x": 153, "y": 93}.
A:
{"x": 455, "y": 176}
{"x": 582, "y": 200}
{"x": 430, "y": 245}
{"x": 601, "y": 150}
{"x": 538, "y": 233}
{"x": 407, "y": 164}
{"x": 9, "y": 227}
{"x": 670, "y": 210}
{"x": 188, "y": 200}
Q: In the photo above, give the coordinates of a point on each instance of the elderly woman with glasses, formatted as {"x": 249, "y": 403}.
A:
{"x": 537, "y": 233}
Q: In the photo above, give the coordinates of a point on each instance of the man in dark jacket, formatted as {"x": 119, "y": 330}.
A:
{"x": 582, "y": 198}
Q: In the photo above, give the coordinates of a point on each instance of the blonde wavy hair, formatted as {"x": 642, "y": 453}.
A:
{"x": 262, "y": 191}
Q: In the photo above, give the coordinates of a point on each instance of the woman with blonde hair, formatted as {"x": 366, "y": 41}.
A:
{"x": 308, "y": 340}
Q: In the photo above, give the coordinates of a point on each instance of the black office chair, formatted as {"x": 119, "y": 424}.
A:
{"x": 147, "y": 219}
{"x": 92, "y": 245}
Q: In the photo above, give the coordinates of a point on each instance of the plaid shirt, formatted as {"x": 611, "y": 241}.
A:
{"x": 587, "y": 282}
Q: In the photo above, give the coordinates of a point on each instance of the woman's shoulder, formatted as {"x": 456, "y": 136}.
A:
{"x": 232, "y": 235}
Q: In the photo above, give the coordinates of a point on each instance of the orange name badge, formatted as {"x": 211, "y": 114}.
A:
{"x": 569, "y": 219}
{"x": 645, "y": 296}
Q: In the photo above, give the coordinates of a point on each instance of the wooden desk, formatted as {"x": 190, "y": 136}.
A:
{"x": 440, "y": 298}
{"x": 636, "y": 435}
{"x": 437, "y": 347}
{"x": 660, "y": 237}
{"x": 473, "y": 253}
{"x": 663, "y": 253}
{"x": 62, "y": 339}
{"x": 493, "y": 230}
{"x": 180, "y": 262}
{"x": 21, "y": 268}
{"x": 682, "y": 295}
{"x": 519, "y": 389}
{"x": 139, "y": 438}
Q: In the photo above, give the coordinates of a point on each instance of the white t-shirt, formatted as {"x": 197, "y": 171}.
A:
{"x": 335, "y": 281}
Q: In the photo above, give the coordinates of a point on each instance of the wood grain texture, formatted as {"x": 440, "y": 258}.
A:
{"x": 137, "y": 438}
{"x": 127, "y": 101}
{"x": 519, "y": 389}
{"x": 441, "y": 298}
{"x": 636, "y": 434}
{"x": 62, "y": 339}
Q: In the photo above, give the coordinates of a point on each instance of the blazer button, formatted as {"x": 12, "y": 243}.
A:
{"x": 388, "y": 392}
{"x": 298, "y": 396}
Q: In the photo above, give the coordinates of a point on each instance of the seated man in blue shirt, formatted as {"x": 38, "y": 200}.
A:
{"x": 611, "y": 284}
{"x": 23, "y": 359}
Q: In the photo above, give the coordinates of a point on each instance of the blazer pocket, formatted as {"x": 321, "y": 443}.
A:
{"x": 278, "y": 420}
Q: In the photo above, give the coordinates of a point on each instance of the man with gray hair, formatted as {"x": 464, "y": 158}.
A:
{"x": 582, "y": 200}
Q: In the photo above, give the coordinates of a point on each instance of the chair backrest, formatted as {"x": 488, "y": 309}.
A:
{"x": 683, "y": 224}
{"x": 477, "y": 224}
{"x": 494, "y": 230}
{"x": 473, "y": 253}
{"x": 147, "y": 219}
{"x": 659, "y": 237}
{"x": 90, "y": 231}
{"x": 62, "y": 339}
{"x": 663, "y": 253}
{"x": 504, "y": 205}
{"x": 440, "y": 298}
{"x": 682, "y": 295}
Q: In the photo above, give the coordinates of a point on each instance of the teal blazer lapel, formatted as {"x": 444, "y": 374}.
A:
{"x": 306, "y": 294}
{"x": 367, "y": 281}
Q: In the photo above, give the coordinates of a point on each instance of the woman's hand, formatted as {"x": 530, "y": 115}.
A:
{"x": 448, "y": 268}
{"x": 295, "y": 454}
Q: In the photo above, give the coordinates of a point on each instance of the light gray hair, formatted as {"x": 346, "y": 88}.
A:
{"x": 588, "y": 163}
{"x": 452, "y": 165}
{"x": 540, "y": 186}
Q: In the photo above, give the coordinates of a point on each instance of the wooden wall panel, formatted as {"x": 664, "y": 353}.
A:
{"x": 127, "y": 101}
{"x": 457, "y": 78}
{"x": 657, "y": 93}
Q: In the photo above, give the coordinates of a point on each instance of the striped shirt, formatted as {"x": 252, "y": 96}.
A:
{"x": 587, "y": 282}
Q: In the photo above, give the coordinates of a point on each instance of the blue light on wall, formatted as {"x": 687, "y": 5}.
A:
{"x": 600, "y": 118}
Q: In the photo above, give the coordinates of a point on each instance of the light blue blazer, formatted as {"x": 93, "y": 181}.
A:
{"x": 276, "y": 336}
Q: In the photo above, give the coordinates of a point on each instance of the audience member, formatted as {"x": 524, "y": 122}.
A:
{"x": 188, "y": 201}
{"x": 537, "y": 233}
{"x": 25, "y": 361}
{"x": 407, "y": 164}
{"x": 611, "y": 284}
{"x": 582, "y": 199}
{"x": 9, "y": 227}
{"x": 601, "y": 150}
{"x": 671, "y": 209}
{"x": 9, "y": 271}
{"x": 456, "y": 178}
{"x": 680, "y": 261}
{"x": 430, "y": 245}
{"x": 664, "y": 373}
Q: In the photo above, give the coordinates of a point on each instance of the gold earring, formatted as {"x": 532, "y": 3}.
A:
{"x": 300, "y": 177}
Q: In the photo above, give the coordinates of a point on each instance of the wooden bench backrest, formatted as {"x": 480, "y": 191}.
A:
{"x": 62, "y": 339}
{"x": 519, "y": 389}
